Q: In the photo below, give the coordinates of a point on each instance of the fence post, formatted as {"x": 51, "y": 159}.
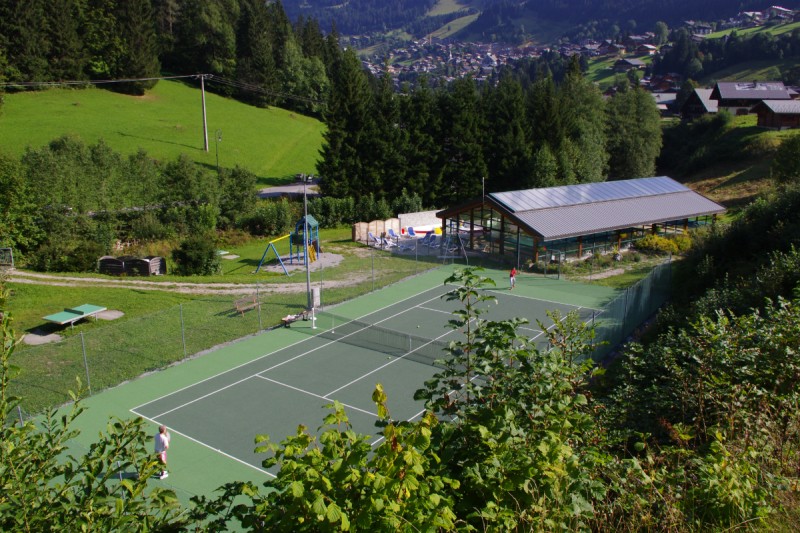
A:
{"x": 183, "y": 332}
{"x": 372, "y": 258}
{"x": 86, "y": 365}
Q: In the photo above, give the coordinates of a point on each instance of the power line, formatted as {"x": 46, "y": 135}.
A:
{"x": 88, "y": 82}
{"x": 210, "y": 77}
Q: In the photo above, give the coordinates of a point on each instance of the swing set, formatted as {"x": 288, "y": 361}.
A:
{"x": 298, "y": 242}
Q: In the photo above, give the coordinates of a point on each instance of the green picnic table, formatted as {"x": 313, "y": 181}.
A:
{"x": 73, "y": 314}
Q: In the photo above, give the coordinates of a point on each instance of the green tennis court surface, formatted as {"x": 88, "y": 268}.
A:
{"x": 332, "y": 359}
{"x": 270, "y": 383}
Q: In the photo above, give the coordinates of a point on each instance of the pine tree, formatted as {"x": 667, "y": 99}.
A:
{"x": 67, "y": 58}
{"x": 139, "y": 57}
{"x": 256, "y": 64}
{"x": 423, "y": 155}
{"x": 347, "y": 119}
{"x": 206, "y": 40}
{"x": 101, "y": 37}
{"x": 462, "y": 143}
{"x": 582, "y": 108}
{"x": 384, "y": 155}
{"x": 634, "y": 134}
{"x": 506, "y": 151}
{"x": 24, "y": 36}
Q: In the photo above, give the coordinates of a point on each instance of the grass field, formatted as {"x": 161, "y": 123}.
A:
{"x": 749, "y": 32}
{"x": 273, "y": 143}
{"x": 762, "y": 70}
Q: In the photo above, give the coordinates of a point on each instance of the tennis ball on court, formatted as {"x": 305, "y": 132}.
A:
{"x": 417, "y": 326}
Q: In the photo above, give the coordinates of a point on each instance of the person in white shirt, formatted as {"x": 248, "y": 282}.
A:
{"x": 162, "y": 445}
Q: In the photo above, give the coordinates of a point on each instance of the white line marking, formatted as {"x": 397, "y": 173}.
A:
{"x": 386, "y": 364}
{"x": 435, "y": 310}
{"x": 203, "y": 396}
{"x": 316, "y": 395}
{"x": 270, "y": 353}
{"x": 229, "y": 456}
{"x": 505, "y": 292}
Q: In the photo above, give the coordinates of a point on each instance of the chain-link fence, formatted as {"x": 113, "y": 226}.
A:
{"x": 620, "y": 317}
{"x": 104, "y": 357}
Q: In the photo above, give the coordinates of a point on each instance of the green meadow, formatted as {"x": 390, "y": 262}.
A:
{"x": 273, "y": 143}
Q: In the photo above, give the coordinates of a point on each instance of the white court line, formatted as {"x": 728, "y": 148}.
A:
{"x": 270, "y": 353}
{"x": 506, "y": 292}
{"x": 134, "y": 410}
{"x": 204, "y": 396}
{"x": 386, "y": 364}
{"x": 432, "y": 309}
{"x": 229, "y": 456}
{"x": 316, "y": 395}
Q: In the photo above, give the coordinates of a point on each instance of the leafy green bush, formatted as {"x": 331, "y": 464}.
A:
{"x": 272, "y": 217}
{"x": 197, "y": 255}
{"x": 683, "y": 242}
{"x": 657, "y": 243}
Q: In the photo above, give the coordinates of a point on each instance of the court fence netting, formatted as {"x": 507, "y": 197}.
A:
{"x": 104, "y": 357}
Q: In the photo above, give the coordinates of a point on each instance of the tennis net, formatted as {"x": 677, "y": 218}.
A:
{"x": 383, "y": 340}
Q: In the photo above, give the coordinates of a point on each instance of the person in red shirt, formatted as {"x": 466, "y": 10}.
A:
{"x": 512, "y": 278}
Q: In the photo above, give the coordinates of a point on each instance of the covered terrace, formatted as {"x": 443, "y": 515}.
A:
{"x": 572, "y": 221}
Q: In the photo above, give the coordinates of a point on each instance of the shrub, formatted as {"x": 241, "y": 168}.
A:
{"x": 656, "y": 243}
{"x": 683, "y": 242}
{"x": 197, "y": 255}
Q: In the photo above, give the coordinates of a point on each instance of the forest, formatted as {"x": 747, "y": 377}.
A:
{"x": 447, "y": 143}
{"x": 249, "y": 48}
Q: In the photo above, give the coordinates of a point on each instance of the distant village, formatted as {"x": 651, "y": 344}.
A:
{"x": 450, "y": 59}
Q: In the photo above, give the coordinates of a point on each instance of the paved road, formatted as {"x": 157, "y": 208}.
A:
{"x": 294, "y": 189}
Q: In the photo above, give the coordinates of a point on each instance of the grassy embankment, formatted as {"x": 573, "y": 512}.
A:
{"x": 273, "y": 143}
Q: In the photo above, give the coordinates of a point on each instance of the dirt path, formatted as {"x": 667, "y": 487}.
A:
{"x": 37, "y": 278}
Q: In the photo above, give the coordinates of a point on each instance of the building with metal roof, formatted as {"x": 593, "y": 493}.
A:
{"x": 739, "y": 97}
{"x": 778, "y": 114}
{"x": 573, "y": 219}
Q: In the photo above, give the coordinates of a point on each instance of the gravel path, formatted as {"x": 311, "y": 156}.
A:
{"x": 325, "y": 260}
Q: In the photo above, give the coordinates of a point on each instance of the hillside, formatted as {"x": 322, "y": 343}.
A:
{"x": 510, "y": 19}
{"x": 273, "y": 143}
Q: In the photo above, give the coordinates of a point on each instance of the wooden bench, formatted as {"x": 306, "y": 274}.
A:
{"x": 288, "y": 319}
{"x": 248, "y": 302}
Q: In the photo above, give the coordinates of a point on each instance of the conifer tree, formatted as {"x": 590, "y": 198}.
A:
{"x": 506, "y": 149}
{"x": 256, "y": 63}
{"x": 24, "y": 36}
{"x": 384, "y": 161}
{"x": 139, "y": 46}
{"x": 583, "y": 118}
{"x": 464, "y": 166}
{"x": 634, "y": 134}
{"x": 67, "y": 58}
{"x": 423, "y": 156}
{"x": 348, "y": 119}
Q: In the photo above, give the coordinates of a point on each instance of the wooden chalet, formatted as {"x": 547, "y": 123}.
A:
{"x": 698, "y": 104}
{"x": 778, "y": 114}
{"x": 738, "y": 98}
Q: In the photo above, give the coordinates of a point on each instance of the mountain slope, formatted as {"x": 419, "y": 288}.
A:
{"x": 378, "y": 16}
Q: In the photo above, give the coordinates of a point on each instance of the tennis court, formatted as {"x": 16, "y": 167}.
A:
{"x": 390, "y": 338}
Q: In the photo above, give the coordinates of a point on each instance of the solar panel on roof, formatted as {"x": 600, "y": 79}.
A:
{"x": 586, "y": 193}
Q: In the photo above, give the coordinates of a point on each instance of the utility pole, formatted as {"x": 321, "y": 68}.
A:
{"x": 205, "y": 123}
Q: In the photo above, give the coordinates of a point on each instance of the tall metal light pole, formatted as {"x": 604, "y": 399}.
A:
{"x": 307, "y": 244}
